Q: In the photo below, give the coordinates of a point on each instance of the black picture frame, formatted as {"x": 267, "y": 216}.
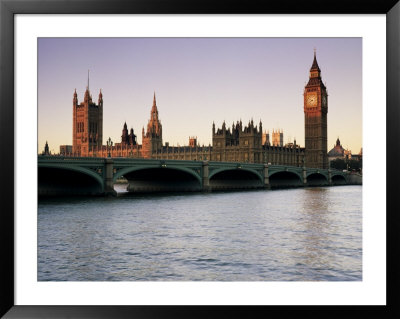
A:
{"x": 8, "y": 9}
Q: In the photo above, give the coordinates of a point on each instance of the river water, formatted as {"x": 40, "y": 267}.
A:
{"x": 306, "y": 234}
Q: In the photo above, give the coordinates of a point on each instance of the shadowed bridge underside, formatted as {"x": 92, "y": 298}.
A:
{"x": 285, "y": 180}
{"x": 161, "y": 180}
{"x": 235, "y": 179}
{"x": 317, "y": 179}
{"x": 338, "y": 180}
{"x": 65, "y": 182}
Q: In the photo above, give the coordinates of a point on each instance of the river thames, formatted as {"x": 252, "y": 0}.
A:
{"x": 304, "y": 234}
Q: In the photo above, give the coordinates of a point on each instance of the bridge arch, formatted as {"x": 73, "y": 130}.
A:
{"x": 59, "y": 179}
{"x": 339, "y": 179}
{"x": 317, "y": 179}
{"x": 285, "y": 178}
{"x": 318, "y": 173}
{"x": 288, "y": 170}
{"x": 152, "y": 178}
{"x": 231, "y": 178}
{"x": 127, "y": 170}
{"x": 220, "y": 170}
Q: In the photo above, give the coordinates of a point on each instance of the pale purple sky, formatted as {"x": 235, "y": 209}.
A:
{"x": 198, "y": 81}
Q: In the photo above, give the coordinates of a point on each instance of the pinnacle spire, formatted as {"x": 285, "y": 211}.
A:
{"x": 315, "y": 63}
{"x": 154, "y": 107}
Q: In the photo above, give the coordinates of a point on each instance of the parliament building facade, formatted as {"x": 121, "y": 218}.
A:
{"x": 239, "y": 143}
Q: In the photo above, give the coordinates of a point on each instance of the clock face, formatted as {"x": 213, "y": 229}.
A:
{"x": 324, "y": 100}
{"x": 312, "y": 100}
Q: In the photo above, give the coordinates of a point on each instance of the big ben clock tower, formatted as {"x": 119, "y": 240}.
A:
{"x": 315, "y": 119}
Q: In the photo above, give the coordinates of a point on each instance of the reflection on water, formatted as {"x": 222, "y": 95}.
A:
{"x": 299, "y": 234}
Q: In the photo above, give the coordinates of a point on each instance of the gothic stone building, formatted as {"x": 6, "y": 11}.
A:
{"x": 246, "y": 144}
{"x": 236, "y": 144}
{"x": 87, "y": 133}
{"x": 87, "y": 124}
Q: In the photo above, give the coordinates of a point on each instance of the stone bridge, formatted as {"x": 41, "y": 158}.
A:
{"x": 96, "y": 176}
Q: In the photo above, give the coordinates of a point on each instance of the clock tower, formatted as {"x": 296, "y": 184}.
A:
{"x": 315, "y": 119}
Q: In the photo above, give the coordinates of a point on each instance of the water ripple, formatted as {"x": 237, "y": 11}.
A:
{"x": 310, "y": 234}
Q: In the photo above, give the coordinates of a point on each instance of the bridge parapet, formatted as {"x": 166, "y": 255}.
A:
{"x": 69, "y": 159}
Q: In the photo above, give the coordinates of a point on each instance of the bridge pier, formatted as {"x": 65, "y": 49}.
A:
{"x": 108, "y": 177}
{"x": 205, "y": 177}
{"x": 304, "y": 176}
{"x": 330, "y": 176}
{"x": 266, "y": 177}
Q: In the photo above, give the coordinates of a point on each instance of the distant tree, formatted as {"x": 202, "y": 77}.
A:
{"x": 351, "y": 165}
{"x": 354, "y": 165}
{"x": 338, "y": 164}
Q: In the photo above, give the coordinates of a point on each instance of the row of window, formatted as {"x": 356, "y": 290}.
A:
{"x": 80, "y": 127}
{"x": 274, "y": 158}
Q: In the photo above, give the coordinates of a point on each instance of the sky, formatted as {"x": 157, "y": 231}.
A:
{"x": 198, "y": 81}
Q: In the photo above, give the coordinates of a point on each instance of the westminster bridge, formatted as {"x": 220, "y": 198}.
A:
{"x": 97, "y": 176}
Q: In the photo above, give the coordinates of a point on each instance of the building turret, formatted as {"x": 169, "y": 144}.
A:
{"x": 277, "y": 137}
{"x": 132, "y": 138}
{"x": 75, "y": 100}
{"x": 124, "y": 136}
{"x": 192, "y": 141}
{"x": 315, "y": 74}
{"x": 154, "y": 107}
{"x": 87, "y": 98}
{"x": 152, "y": 140}
{"x": 315, "y": 71}
{"x": 100, "y": 98}
{"x": 265, "y": 138}
{"x": 46, "y": 149}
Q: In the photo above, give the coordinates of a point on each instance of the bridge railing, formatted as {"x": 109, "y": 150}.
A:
{"x": 121, "y": 160}
{"x": 70, "y": 158}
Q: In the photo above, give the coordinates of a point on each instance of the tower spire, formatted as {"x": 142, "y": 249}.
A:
{"x": 315, "y": 63}
{"x": 154, "y": 107}
{"x": 88, "y": 80}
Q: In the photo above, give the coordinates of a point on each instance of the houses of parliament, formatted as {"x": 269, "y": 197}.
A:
{"x": 238, "y": 143}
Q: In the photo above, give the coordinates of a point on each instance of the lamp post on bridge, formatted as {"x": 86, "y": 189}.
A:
{"x": 109, "y": 145}
{"x": 304, "y": 172}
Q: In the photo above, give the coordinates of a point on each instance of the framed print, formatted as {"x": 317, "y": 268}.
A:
{"x": 311, "y": 235}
